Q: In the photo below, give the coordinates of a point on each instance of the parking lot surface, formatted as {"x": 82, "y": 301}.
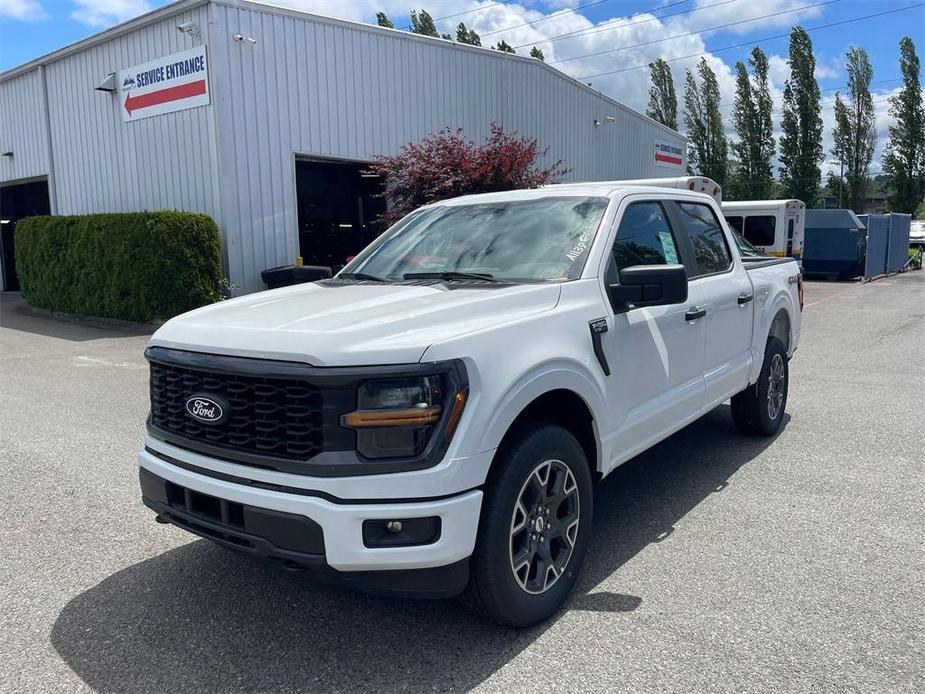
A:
{"x": 718, "y": 562}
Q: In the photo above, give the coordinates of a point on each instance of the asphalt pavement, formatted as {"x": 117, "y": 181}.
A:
{"x": 718, "y": 563}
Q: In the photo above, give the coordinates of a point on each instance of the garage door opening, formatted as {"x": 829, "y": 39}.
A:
{"x": 337, "y": 205}
{"x": 18, "y": 201}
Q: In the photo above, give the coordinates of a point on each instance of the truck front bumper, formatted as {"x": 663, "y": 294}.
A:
{"x": 318, "y": 534}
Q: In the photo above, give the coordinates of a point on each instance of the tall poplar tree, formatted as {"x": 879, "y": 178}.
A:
{"x": 423, "y": 24}
{"x": 469, "y": 36}
{"x": 753, "y": 178}
{"x": 663, "y": 101}
{"x": 383, "y": 20}
{"x": 854, "y": 133}
{"x": 904, "y": 155}
{"x": 708, "y": 147}
{"x": 801, "y": 149}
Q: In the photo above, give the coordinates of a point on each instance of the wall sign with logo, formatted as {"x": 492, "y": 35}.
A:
{"x": 669, "y": 154}
{"x": 172, "y": 83}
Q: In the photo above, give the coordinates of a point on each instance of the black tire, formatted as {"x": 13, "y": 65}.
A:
{"x": 759, "y": 409}
{"x": 495, "y": 590}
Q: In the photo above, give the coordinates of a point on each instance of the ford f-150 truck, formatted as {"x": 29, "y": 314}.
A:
{"x": 431, "y": 420}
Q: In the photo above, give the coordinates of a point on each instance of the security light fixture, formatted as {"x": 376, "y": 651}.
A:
{"x": 8, "y": 154}
{"x": 241, "y": 38}
{"x": 191, "y": 28}
{"x": 108, "y": 84}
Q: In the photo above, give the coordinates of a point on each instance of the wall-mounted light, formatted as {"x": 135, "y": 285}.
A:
{"x": 241, "y": 38}
{"x": 607, "y": 119}
{"x": 8, "y": 154}
{"x": 108, "y": 84}
{"x": 191, "y": 28}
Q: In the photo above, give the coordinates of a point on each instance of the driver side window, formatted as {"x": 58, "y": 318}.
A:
{"x": 644, "y": 237}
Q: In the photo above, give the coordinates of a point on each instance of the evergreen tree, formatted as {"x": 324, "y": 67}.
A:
{"x": 854, "y": 133}
{"x": 904, "y": 155}
{"x": 663, "y": 102}
{"x": 752, "y": 117}
{"x": 538, "y": 54}
{"x": 705, "y": 124}
{"x": 504, "y": 47}
{"x": 423, "y": 24}
{"x": 801, "y": 124}
{"x": 383, "y": 21}
{"x": 464, "y": 35}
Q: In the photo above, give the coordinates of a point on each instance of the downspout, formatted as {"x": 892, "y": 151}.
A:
{"x": 52, "y": 196}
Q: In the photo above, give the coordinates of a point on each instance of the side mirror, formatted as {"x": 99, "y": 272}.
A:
{"x": 649, "y": 285}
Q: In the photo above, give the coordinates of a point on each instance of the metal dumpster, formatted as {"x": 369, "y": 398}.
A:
{"x": 834, "y": 244}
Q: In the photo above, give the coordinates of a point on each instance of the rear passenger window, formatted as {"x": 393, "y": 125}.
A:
{"x": 710, "y": 249}
{"x": 760, "y": 229}
{"x": 644, "y": 237}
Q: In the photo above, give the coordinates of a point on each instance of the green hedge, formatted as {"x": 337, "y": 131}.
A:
{"x": 138, "y": 266}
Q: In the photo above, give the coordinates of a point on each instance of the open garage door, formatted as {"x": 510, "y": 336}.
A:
{"x": 337, "y": 205}
{"x": 17, "y": 201}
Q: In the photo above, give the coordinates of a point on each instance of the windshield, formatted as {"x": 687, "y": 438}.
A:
{"x": 521, "y": 241}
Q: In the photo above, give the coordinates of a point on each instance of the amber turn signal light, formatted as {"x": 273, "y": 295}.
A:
{"x": 407, "y": 417}
{"x": 459, "y": 404}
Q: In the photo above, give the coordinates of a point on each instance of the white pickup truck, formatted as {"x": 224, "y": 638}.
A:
{"x": 431, "y": 421}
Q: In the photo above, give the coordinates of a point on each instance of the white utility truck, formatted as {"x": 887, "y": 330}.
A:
{"x": 431, "y": 420}
{"x": 775, "y": 226}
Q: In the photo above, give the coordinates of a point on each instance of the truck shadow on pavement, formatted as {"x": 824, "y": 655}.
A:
{"x": 198, "y": 618}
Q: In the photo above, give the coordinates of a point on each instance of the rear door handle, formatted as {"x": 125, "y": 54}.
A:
{"x": 745, "y": 298}
{"x": 695, "y": 313}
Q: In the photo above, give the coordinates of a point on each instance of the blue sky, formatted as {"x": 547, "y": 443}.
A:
{"x": 641, "y": 30}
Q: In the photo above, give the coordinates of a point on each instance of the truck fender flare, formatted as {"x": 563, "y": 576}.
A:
{"x": 549, "y": 376}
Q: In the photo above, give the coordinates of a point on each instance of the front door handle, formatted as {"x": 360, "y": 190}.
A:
{"x": 695, "y": 313}
{"x": 745, "y": 298}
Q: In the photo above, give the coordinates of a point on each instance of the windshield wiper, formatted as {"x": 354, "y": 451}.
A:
{"x": 362, "y": 276}
{"x": 450, "y": 275}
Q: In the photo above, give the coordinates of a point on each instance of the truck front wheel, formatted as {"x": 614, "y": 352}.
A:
{"x": 534, "y": 529}
{"x": 759, "y": 409}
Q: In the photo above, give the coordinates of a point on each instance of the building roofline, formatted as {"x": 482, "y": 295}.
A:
{"x": 407, "y": 35}
{"x": 134, "y": 24}
{"x": 269, "y": 8}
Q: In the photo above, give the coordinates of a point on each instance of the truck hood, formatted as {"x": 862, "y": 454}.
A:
{"x": 338, "y": 324}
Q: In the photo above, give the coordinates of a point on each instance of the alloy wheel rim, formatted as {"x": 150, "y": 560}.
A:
{"x": 776, "y": 387}
{"x": 544, "y": 526}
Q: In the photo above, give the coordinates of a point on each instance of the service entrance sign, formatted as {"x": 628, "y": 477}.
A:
{"x": 667, "y": 153}
{"x": 172, "y": 83}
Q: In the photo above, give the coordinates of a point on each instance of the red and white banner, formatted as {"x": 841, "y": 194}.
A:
{"x": 669, "y": 154}
{"x": 172, "y": 83}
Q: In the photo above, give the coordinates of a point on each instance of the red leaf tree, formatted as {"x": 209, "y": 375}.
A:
{"x": 445, "y": 164}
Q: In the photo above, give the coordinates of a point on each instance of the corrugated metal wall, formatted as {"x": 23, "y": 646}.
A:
{"x": 23, "y": 127}
{"x": 327, "y": 88}
{"x": 105, "y": 165}
{"x": 309, "y": 86}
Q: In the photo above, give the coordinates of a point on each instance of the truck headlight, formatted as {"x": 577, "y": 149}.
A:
{"x": 397, "y": 417}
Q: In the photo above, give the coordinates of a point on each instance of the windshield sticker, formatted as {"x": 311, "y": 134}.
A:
{"x": 668, "y": 249}
{"x": 580, "y": 247}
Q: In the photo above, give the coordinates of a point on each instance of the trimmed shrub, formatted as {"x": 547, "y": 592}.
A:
{"x": 138, "y": 266}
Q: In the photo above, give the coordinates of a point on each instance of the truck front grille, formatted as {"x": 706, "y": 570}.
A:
{"x": 274, "y": 417}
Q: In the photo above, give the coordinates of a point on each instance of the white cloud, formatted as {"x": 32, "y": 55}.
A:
{"x": 104, "y": 13}
{"x": 744, "y": 15}
{"x": 24, "y": 10}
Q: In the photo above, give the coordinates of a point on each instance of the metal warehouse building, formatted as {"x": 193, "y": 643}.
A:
{"x": 264, "y": 118}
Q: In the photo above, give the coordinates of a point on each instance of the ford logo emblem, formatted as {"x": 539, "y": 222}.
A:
{"x": 207, "y": 409}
